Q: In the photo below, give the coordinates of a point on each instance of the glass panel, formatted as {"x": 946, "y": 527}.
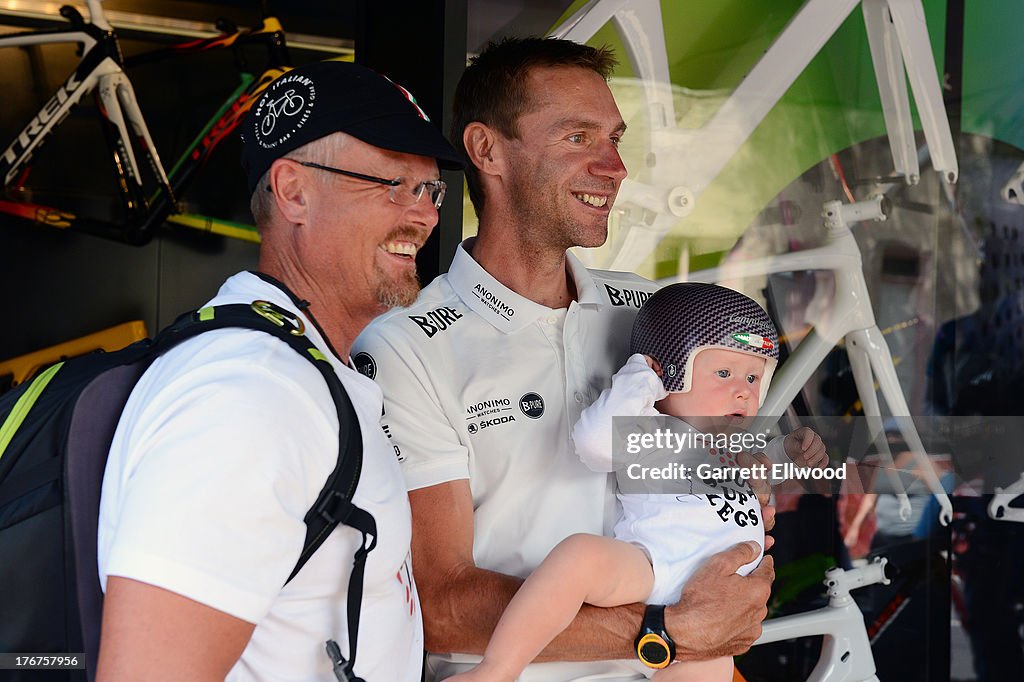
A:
{"x": 712, "y": 185}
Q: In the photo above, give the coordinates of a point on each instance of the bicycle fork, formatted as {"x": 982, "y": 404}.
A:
{"x": 118, "y": 99}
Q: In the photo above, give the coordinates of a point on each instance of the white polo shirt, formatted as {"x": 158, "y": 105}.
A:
{"x": 222, "y": 448}
{"x": 483, "y": 384}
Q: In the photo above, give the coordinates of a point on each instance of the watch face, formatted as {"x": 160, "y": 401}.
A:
{"x": 653, "y": 651}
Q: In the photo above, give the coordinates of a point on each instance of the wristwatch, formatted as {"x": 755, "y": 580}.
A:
{"x": 654, "y": 647}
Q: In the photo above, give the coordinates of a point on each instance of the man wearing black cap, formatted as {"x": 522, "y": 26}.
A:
{"x": 227, "y": 440}
{"x": 486, "y": 374}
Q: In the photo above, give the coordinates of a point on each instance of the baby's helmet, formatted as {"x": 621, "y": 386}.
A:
{"x": 681, "y": 320}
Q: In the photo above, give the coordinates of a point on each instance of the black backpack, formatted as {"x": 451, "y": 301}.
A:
{"x": 55, "y": 435}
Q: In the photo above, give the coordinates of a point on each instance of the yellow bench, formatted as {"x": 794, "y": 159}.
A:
{"x": 24, "y": 367}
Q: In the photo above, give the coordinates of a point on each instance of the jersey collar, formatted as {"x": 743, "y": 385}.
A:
{"x": 587, "y": 292}
{"x": 506, "y": 310}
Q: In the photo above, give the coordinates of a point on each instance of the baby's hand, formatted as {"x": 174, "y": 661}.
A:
{"x": 806, "y": 448}
{"x": 653, "y": 364}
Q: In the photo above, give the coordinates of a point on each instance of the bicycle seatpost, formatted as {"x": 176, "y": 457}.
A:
{"x": 96, "y": 16}
{"x": 73, "y": 16}
{"x": 277, "y": 47}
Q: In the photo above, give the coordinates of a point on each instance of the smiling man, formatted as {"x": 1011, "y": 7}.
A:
{"x": 486, "y": 374}
{"x": 228, "y": 439}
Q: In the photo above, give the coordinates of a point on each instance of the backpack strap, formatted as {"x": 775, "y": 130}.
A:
{"x": 334, "y": 503}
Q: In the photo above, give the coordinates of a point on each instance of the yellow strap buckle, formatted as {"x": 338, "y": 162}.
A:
{"x": 279, "y": 316}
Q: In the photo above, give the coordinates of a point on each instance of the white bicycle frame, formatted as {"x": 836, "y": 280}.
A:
{"x": 846, "y": 653}
{"x": 899, "y": 45}
{"x": 115, "y": 92}
{"x": 1013, "y": 191}
{"x": 898, "y": 37}
{"x": 685, "y": 161}
{"x": 848, "y": 315}
{"x": 999, "y": 508}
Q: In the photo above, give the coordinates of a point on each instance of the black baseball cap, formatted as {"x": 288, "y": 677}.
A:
{"x": 315, "y": 100}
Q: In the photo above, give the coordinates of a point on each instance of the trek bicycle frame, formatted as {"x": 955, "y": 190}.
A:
{"x": 102, "y": 67}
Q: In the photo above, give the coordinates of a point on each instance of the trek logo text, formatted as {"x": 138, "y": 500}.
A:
{"x": 36, "y": 126}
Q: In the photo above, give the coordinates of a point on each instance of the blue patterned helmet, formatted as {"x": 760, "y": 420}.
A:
{"x": 681, "y": 320}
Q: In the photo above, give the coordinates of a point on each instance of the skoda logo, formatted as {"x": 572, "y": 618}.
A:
{"x": 532, "y": 405}
{"x": 365, "y": 365}
{"x": 472, "y": 429}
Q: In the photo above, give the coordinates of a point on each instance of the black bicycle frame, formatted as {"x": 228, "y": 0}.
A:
{"x": 143, "y": 214}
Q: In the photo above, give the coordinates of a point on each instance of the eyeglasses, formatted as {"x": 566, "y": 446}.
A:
{"x": 404, "y": 191}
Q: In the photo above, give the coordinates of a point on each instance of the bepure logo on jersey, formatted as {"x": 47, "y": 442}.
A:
{"x": 630, "y": 297}
{"x": 493, "y": 302}
{"x": 436, "y": 320}
{"x": 283, "y": 109}
{"x": 532, "y": 405}
{"x": 485, "y": 407}
{"x": 398, "y": 450}
{"x": 365, "y": 364}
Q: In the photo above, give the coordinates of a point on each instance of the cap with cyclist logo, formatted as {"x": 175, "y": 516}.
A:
{"x": 315, "y": 100}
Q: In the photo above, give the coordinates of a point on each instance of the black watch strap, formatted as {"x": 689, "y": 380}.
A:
{"x": 654, "y": 647}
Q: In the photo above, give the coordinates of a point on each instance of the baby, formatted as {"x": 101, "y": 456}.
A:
{"x": 703, "y": 354}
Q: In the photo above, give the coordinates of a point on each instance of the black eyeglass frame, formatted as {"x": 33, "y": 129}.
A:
{"x": 439, "y": 186}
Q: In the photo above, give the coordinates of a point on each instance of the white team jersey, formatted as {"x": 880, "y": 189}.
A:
{"x": 222, "y": 448}
{"x": 483, "y": 384}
